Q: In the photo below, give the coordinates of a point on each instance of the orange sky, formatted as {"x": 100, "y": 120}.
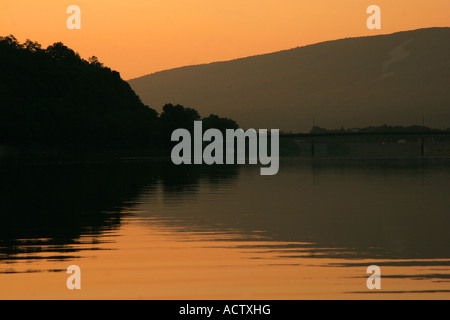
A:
{"x": 138, "y": 37}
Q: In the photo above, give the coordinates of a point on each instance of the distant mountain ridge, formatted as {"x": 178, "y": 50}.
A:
{"x": 394, "y": 79}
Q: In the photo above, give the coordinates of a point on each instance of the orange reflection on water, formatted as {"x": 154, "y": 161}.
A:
{"x": 146, "y": 260}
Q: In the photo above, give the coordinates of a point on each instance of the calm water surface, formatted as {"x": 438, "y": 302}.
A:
{"x": 147, "y": 229}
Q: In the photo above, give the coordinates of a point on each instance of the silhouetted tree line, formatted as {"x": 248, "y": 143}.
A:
{"x": 53, "y": 98}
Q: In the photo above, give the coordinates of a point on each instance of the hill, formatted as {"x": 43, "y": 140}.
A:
{"x": 52, "y": 97}
{"x": 390, "y": 79}
{"x": 53, "y": 101}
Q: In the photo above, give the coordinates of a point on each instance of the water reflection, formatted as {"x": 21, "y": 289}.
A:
{"x": 346, "y": 212}
{"x": 51, "y": 211}
{"x": 48, "y": 208}
{"x": 358, "y": 209}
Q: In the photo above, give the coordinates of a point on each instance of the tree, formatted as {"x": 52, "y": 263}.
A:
{"x": 216, "y": 122}
{"x": 32, "y": 46}
{"x": 11, "y": 41}
{"x": 58, "y": 51}
{"x": 95, "y": 62}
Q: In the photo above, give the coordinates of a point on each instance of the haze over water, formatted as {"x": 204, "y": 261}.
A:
{"x": 148, "y": 229}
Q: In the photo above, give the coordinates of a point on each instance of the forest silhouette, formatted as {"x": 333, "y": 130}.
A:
{"x": 52, "y": 100}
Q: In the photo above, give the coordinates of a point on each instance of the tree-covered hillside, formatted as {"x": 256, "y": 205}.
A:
{"x": 52, "y": 98}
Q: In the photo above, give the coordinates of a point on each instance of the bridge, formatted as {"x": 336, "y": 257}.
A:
{"x": 421, "y": 136}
